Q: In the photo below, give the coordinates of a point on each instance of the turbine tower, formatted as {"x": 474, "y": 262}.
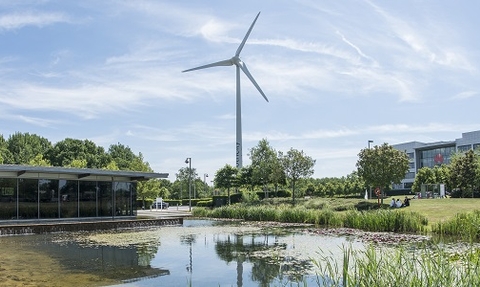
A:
{"x": 239, "y": 65}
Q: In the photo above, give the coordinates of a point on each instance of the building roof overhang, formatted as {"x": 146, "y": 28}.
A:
{"x": 86, "y": 174}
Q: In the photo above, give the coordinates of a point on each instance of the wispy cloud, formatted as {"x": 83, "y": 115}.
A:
{"x": 18, "y": 20}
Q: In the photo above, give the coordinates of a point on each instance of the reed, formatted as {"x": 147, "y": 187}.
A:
{"x": 465, "y": 226}
{"x": 422, "y": 267}
{"x": 376, "y": 220}
{"x": 386, "y": 221}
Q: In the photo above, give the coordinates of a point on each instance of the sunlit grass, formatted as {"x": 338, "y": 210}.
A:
{"x": 430, "y": 266}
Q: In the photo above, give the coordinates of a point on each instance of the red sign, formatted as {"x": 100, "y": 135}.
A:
{"x": 438, "y": 158}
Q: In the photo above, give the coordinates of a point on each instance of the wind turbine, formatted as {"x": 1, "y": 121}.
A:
{"x": 239, "y": 65}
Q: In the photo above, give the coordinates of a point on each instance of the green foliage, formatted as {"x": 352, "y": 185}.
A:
{"x": 78, "y": 153}
{"x": 385, "y": 221}
{"x": 205, "y": 203}
{"x": 24, "y": 147}
{"x": 266, "y": 165}
{"x": 465, "y": 170}
{"x": 296, "y": 165}
{"x": 428, "y": 266}
{"x": 464, "y": 225}
{"x": 322, "y": 214}
{"x": 38, "y": 160}
{"x": 249, "y": 196}
{"x": 381, "y": 166}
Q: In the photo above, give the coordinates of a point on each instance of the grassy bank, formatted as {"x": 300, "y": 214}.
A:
{"x": 423, "y": 215}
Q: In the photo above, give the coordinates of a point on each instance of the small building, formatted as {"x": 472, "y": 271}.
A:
{"x": 432, "y": 154}
{"x": 34, "y": 192}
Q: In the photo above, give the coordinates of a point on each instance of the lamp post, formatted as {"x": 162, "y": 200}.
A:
{"x": 370, "y": 188}
{"x": 189, "y": 161}
{"x": 205, "y": 175}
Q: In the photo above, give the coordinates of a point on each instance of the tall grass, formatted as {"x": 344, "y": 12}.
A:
{"x": 385, "y": 220}
{"x": 376, "y": 220}
{"x": 424, "y": 267}
{"x": 463, "y": 225}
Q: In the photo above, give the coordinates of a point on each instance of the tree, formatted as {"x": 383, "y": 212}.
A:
{"x": 226, "y": 178}
{"x": 122, "y": 155}
{"x": 296, "y": 165}
{"x": 381, "y": 166}
{"x": 425, "y": 175}
{"x": 39, "y": 161}
{"x": 463, "y": 171}
{"x": 264, "y": 164}
{"x": 5, "y": 154}
{"x": 24, "y": 147}
{"x": 78, "y": 153}
{"x": 148, "y": 190}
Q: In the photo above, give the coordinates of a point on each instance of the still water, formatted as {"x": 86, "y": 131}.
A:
{"x": 199, "y": 253}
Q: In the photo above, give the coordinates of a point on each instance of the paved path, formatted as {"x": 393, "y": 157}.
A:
{"x": 172, "y": 211}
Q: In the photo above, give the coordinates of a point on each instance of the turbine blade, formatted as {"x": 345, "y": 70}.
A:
{"x": 245, "y": 70}
{"x": 216, "y": 64}
{"x": 239, "y": 49}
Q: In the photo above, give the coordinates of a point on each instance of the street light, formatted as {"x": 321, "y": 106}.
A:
{"x": 205, "y": 175}
{"x": 189, "y": 161}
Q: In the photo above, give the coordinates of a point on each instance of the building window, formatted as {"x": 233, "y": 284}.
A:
{"x": 410, "y": 175}
{"x": 476, "y": 146}
{"x": 411, "y": 165}
{"x": 410, "y": 155}
{"x": 436, "y": 156}
{"x": 464, "y": 148}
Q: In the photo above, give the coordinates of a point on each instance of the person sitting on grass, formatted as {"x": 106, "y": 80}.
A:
{"x": 398, "y": 203}
{"x": 406, "y": 202}
{"x": 392, "y": 203}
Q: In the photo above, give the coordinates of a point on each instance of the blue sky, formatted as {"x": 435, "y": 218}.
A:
{"x": 337, "y": 74}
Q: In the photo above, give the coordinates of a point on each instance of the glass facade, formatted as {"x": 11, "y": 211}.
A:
{"x": 24, "y": 198}
{"x": 436, "y": 156}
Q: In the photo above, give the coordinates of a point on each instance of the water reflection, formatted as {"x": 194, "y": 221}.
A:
{"x": 201, "y": 253}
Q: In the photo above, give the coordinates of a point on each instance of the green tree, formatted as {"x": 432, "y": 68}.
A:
{"x": 463, "y": 171}
{"x": 148, "y": 190}
{"x": 39, "y": 161}
{"x": 122, "y": 155}
{"x": 296, "y": 165}
{"x": 265, "y": 164}
{"x": 381, "y": 166}
{"x": 425, "y": 175}
{"x": 226, "y": 178}
{"x": 5, "y": 154}
{"x": 75, "y": 152}
{"x": 24, "y": 147}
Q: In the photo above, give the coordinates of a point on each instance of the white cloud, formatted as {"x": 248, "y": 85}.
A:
{"x": 39, "y": 19}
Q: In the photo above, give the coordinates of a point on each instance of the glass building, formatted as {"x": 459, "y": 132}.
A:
{"x": 31, "y": 192}
{"x": 433, "y": 154}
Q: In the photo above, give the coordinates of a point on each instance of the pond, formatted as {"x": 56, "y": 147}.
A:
{"x": 199, "y": 253}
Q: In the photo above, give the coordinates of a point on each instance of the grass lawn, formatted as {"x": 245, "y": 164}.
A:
{"x": 439, "y": 209}
{"x": 435, "y": 210}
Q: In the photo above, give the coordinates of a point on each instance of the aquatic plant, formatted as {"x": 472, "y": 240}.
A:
{"x": 430, "y": 266}
{"x": 465, "y": 226}
{"x": 375, "y": 220}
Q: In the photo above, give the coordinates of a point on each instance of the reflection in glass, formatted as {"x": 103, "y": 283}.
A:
{"x": 88, "y": 199}
{"x": 105, "y": 199}
{"x": 48, "y": 198}
{"x": 27, "y": 198}
{"x": 68, "y": 204}
{"x": 8, "y": 198}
